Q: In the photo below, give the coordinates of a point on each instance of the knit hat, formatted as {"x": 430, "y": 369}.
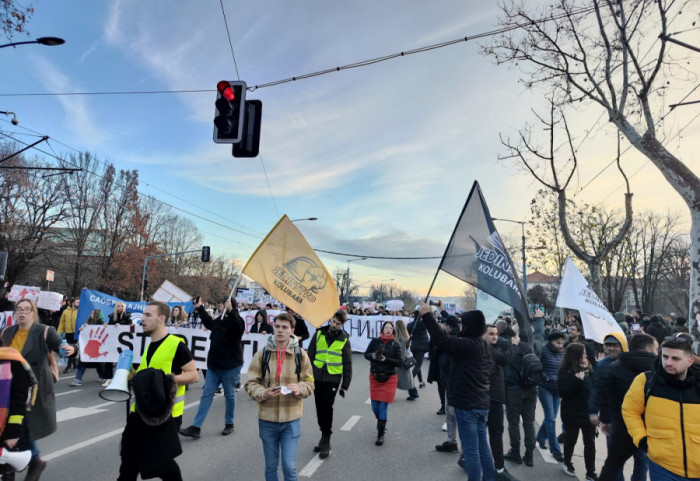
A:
{"x": 154, "y": 393}
{"x": 473, "y": 324}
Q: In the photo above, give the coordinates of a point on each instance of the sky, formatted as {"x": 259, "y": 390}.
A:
{"x": 384, "y": 155}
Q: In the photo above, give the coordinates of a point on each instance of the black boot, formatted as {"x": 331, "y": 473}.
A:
{"x": 325, "y": 446}
{"x": 317, "y": 448}
{"x": 513, "y": 456}
{"x": 527, "y": 459}
{"x": 381, "y": 429}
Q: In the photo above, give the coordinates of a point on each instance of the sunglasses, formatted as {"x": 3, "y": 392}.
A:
{"x": 680, "y": 336}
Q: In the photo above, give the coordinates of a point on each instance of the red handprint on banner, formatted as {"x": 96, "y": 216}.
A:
{"x": 97, "y": 340}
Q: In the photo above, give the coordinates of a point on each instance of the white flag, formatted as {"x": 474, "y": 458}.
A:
{"x": 575, "y": 293}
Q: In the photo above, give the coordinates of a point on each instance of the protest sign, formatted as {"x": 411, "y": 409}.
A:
{"x": 23, "y": 292}
{"x": 6, "y": 319}
{"x": 245, "y": 296}
{"x": 51, "y": 301}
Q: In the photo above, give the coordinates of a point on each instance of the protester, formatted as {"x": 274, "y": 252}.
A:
{"x": 66, "y": 328}
{"x": 661, "y": 411}
{"x": 420, "y": 345}
{"x": 150, "y": 442}
{"x": 452, "y": 327}
{"x": 300, "y": 330}
{"x": 260, "y": 325}
{"x": 611, "y": 390}
{"x": 95, "y": 319}
{"x": 468, "y": 388}
{"x": 384, "y": 354}
{"x": 548, "y": 393}
{"x": 330, "y": 354}
{"x": 405, "y": 374}
{"x": 35, "y": 342}
{"x": 119, "y": 315}
{"x": 574, "y": 382}
{"x": 224, "y": 363}
{"x": 279, "y": 386}
{"x": 178, "y": 317}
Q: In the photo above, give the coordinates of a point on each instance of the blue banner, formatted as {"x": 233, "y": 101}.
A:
{"x": 91, "y": 300}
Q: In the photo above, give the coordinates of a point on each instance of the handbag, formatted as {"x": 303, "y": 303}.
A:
{"x": 409, "y": 362}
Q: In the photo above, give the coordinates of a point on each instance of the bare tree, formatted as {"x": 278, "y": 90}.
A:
{"x": 613, "y": 54}
{"x": 673, "y": 289}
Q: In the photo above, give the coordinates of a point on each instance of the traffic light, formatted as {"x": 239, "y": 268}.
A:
{"x": 206, "y": 254}
{"x": 228, "y": 119}
{"x": 145, "y": 277}
{"x": 249, "y": 146}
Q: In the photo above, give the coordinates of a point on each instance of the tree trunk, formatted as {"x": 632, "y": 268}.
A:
{"x": 694, "y": 291}
{"x": 596, "y": 282}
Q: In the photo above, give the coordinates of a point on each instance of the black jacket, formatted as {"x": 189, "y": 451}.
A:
{"x": 512, "y": 370}
{"x": 419, "y": 337}
{"x": 300, "y": 329}
{"x": 469, "y": 384}
{"x": 322, "y": 375}
{"x": 262, "y": 328}
{"x": 618, "y": 379}
{"x": 503, "y": 353}
{"x": 124, "y": 319}
{"x": 574, "y": 394}
{"x": 391, "y": 350}
{"x": 225, "y": 348}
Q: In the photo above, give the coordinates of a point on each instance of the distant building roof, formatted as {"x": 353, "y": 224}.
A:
{"x": 538, "y": 277}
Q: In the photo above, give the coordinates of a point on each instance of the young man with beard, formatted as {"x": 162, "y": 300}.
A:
{"x": 661, "y": 411}
{"x": 331, "y": 356}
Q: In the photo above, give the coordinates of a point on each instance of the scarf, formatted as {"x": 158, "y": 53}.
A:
{"x": 7, "y": 355}
{"x": 386, "y": 339}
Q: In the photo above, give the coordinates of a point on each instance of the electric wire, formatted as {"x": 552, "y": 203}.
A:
{"x": 274, "y": 204}
{"x": 228, "y": 34}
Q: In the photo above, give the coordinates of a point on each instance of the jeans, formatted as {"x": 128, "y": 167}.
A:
{"x": 548, "y": 430}
{"x": 81, "y": 371}
{"x": 521, "y": 403}
{"x": 495, "y": 426}
{"x": 380, "y": 409}
{"x": 451, "y": 423}
{"x": 420, "y": 356}
{"x": 620, "y": 449}
{"x": 215, "y": 377}
{"x": 276, "y": 437}
{"x": 324, "y": 397}
{"x": 657, "y": 473}
{"x": 475, "y": 446}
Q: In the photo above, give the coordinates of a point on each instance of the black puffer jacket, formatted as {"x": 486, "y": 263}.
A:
{"x": 503, "y": 353}
{"x": 469, "y": 384}
{"x": 617, "y": 381}
{"x": 574, "y": 394}
{"x": 419, "y": 336}
{"x": 551, "y": 359}
{"x": 391, "y": 350}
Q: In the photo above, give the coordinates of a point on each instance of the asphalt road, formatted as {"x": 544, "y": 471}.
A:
{"x": 86, "y": 444}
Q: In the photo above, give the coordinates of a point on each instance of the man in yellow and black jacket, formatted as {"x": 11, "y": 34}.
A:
{"x": 662, "y": 412}
{"x": 331, "y": 357}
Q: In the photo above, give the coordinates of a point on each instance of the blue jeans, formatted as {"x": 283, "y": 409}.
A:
{"x": 280, "y": 435}
{"x": 640, "y": 466}
{"x": 211, "y": 384}
{"x": 657, "y": 473}
{"x": 548, "y": 430}
{"x": 81, "y": 370}
{"x": 380, "y": 409}
{"x": 475, "y": 444}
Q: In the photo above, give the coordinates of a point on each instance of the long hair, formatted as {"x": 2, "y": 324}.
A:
{"x": 401, "y": 331}
{"x": 181, "y": 316}
{"x": 572, "y": 359}
{"x": 35, "y": 311}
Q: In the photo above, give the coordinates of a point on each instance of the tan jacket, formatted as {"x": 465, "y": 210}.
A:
{"x": 283, "y": 408}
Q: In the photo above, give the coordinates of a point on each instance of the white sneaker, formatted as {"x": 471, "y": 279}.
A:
{"x": 75, "y": 382}
{"x": 444, "y": 426}
{"x": 106, "y": 383}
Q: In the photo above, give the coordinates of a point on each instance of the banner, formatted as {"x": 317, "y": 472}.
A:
{"x": 18, "y": 293}
{"x": 576, "y": 293}
{"x": 286, "y": 266}
{"x": 6, "y": 319}
{"x": 490, "y": 306}
{"x": 51, "y": 301}
{"x": 477, "y": 256}
{"x": 245, "y": 295}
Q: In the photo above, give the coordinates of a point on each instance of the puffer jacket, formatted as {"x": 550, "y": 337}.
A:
{"x": 391, "y": 350}
{"x": 574, "y": 394}
{"x": 617, "y": 382}
{"x": 668, "y": 424}
{"x": 551, "y": 359}
{"x": 419, "y": 336}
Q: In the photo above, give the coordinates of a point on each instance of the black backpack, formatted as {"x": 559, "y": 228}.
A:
{"x": 266, "y": 362}
{"x": 531, "y": 370}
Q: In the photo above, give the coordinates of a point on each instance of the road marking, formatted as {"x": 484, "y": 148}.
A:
{"x": 65, "y": 377}
{"x": 368, "y": 401}
{"x": 75, "y": 413}
{"x": 548, "y": 458}
{"x": 311, "y": 467}
{"x": 82, "y": 445}
{"x": 351, "y": 422}
{"x": 68, "y": 392}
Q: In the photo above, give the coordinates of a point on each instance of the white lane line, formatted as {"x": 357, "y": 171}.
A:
{"x": 548, "y": 458}
{"x": 351, "y": 422}
{"x": 65, "y": 377}
{"x": 68, "y": 392}
{"x": 311, "y": 467}
{"x": 368, "y": 401}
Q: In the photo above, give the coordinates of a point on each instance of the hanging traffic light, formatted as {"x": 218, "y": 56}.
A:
{"x": 249, "y": 146}
{"x": 228, "y": 119}
{"x": 206, "y": 254}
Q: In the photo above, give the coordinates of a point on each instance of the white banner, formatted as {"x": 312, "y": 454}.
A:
{"x": 51, "y": 301}
{"x": 245, "y": 295}
{"x": 23, "y": 292}
{"x": 576, "y": 293}
{"x": 490, "y": 306}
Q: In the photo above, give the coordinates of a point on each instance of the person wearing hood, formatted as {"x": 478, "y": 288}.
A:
{"x": 548, "y": 393}
{"x": 279, "y": 387}
{"x": 468, "y": 388}
{"x": 661, "y": 411}
{"x": 260, "y": 324}
{"x": 612, "y": 388}
{"x": 330, "y": 354}
{"x": 622, "y": 322}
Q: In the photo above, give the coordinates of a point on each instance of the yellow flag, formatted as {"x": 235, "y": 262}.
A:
{"x": 288, "y": 268}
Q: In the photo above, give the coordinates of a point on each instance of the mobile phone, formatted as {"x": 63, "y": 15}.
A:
{"x": 635, "y": 327}
{"x": 277, "y": 388}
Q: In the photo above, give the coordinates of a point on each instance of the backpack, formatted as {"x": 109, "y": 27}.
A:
{"x": 266, "y": 361}
{"x": 531, "y": 370}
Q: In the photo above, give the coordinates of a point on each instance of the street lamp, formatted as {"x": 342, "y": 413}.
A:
{"x": 522, "y": 226}
{"x": 48, "y": 41}
{"x": 307, "y": 218}
{"x": 347, "y": 279}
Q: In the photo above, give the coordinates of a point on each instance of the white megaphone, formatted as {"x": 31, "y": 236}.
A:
{"x": 17, "y": 459}
{"x": 118, "y": 389}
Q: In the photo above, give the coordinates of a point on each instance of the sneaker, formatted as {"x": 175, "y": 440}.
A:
{"x": 559, "y": 457}
{"x": 460, "y": 463}
{"x": 440, "y": 412}
{"x": 569, "y": 469}
{"x": 561, "y": 438}
{"x": 190, "y": 432}
{"x": 101, "y": 380}
{"x": 228, "y": 429}
{"x": 76, "y": 382}
{"x": 513, "y": 456}
{"x": 106, "y": 383}
{"x": 542, "y": 444}
{"x": 504, "y": 475}
{"x": 444, "y": 426}
{"x": 591, "y": 477}
{"x": 219, "y": 390}
{"x": 421, "y": 385}
{"x": 447, "y": 447}
{"x": 411, "y": 398}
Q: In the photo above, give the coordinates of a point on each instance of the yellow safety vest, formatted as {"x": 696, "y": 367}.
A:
{"x": 163, "y": 359}
{"x": 331, "y": 356}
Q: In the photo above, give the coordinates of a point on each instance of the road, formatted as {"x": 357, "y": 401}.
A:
{"x": 86, "y": 444}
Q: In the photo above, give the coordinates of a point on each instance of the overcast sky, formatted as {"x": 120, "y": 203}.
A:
{"x": 383, "y": 155}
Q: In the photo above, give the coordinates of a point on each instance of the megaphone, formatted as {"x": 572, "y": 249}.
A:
{"x": 17, "y": 459}
{"x": 118, "y": 389}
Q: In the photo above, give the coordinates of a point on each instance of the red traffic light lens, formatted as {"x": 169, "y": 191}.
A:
{"x": 225, "y": 90}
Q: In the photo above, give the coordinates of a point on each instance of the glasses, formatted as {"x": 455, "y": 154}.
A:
{"x": 24, "y": 310}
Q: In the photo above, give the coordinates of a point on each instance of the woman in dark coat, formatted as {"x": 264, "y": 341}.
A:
{"x": 384, "y": 354}
{"x": 260, "y": 325}
{"x": 35, "y": 341}
{"x": 420, "y": 345}
{"x": 574, "y": 385}
{"x": 120, "y": 315}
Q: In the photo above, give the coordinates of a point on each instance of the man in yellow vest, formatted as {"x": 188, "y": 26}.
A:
{"x": 331, "y": 357}
{"x": 149, "y": 444}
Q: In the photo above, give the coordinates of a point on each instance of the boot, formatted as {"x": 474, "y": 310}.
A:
{"x": 527, "y": 459}
{"x": 36, "y": 467}
{"x": 191, "y": 432}
{"x": 317, "y": 448}
{"x": 8, "y": 476}
{"x": 325, "y": 446}
{"x": 381, "y": 429}
{"x": 513, "y": 456}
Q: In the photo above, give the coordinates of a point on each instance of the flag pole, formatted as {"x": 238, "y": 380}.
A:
{"x": 235, "y": 284}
